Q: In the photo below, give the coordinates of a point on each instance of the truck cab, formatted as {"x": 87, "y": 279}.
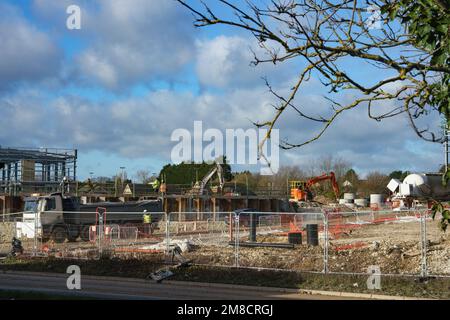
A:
{"x": 56, "y": 217}
{"x": 29, "y": 224}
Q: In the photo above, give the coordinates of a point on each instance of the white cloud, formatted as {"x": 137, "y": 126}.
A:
{"x": 26, "y": 53}
{"x": 92, "y": 65}
{"x": 141, "y": 127}
{"x": 134, "y": 41}
{"x": 226, "y": 61}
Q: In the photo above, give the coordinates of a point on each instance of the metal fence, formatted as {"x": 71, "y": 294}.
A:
{"x": 396, "y": 242}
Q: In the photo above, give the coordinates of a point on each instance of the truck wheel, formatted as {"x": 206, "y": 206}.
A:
{"x": 73, "y": 238}
{"x": 84, "y": 234}
{"x": 59, "y": 234}
{"x": 74, "y": 232}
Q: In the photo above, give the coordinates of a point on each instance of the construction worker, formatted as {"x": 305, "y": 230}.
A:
{"x": 148, "y": 221}
{"x": 156, "y": 184}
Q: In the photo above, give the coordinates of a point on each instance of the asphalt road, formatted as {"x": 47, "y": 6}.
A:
{"x": 139, "y": 289}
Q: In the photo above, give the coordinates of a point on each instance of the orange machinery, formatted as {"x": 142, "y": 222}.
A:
{"x": 301, "y": 190}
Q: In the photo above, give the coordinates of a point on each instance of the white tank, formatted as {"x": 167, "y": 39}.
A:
{"x": 376, "y": 198}
{"x": 424, "y": 185}
{"x": 349, "y": 196}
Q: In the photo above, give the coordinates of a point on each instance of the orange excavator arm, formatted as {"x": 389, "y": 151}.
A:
{"x": 323, "y": 177}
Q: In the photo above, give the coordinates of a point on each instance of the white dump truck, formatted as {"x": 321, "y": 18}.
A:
{"x": 61, "y": 218}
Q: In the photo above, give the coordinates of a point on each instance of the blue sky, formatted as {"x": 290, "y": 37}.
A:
{"x": 138, "y": 69}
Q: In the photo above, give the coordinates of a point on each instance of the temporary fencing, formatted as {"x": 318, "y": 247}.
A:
{"x": 396, "y": 242}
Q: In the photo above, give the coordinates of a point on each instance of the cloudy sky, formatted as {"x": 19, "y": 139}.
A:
{"x": 138, "y": 69}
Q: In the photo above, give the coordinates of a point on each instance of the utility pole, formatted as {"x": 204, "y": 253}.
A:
{"x": 123, "y": 173}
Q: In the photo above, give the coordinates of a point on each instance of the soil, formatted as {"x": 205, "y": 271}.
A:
{"x": 438, "y": 288}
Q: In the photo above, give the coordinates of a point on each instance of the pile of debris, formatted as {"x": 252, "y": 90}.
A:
{"x": 6, "y": 232}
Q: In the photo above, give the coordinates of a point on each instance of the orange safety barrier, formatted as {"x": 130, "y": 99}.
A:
{"x": 386, "y": 219}
{"x": 131, "y": 250}
{"x": 351, "y": 246}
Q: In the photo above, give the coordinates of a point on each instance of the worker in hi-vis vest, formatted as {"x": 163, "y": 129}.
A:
{"x": 156, "y": 184}
{"x": 147, "y": 217}
{"x": 148, "y": 221}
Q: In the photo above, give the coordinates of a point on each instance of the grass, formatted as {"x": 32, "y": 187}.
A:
{"x": 141, "y": 268}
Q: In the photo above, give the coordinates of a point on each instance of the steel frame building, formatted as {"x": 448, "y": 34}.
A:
{"x": 40, "y": 170}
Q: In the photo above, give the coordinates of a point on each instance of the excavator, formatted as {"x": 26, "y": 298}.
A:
{"x": 200, "y": 187}
{"x": 301, "y": 190}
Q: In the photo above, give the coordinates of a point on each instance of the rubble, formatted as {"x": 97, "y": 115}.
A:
{"x": 184, "y": 245}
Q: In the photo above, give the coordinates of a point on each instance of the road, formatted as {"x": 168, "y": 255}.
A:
{"x": 139, "y": 289}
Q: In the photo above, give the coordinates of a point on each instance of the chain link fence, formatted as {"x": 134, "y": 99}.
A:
{"x": 397, "y": 242}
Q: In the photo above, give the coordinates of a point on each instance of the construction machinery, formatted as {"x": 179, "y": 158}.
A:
{"x": 59, "y": 216}
{"x": 200, "y": 187}
{"x": 301, "y": 190}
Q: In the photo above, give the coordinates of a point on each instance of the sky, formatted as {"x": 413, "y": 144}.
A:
{"x": 138, "y": 69}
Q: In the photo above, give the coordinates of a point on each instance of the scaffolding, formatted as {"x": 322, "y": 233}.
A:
{"x": 39, "y": 170}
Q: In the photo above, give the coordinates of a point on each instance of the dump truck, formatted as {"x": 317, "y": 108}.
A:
{"x": 60, "y": 218}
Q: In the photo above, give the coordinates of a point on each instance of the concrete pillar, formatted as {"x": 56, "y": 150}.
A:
{"x": 181, "y": 208}
{"x": 197, "y": 207}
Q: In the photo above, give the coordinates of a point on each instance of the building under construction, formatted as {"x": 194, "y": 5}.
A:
{"x": 25, "y": 171}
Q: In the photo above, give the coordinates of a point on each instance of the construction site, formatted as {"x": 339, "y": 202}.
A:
{"x": 47, "y": 213}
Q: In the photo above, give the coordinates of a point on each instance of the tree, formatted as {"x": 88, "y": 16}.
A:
{"x": 352, "y": 177}
{"x": 144, "y": 176}
{"x": 281, "y": 179}
{"x": 189, "y": 173}
{"x": 411, "y": 50}
{"x": 375, "y": 182}
{"x": 405, "y": 49}
{"x": 103, "y": 180}
{"x": 399, "y": 174}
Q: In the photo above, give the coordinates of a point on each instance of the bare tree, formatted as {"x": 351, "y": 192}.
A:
{"x": 410, "y": 52}
{"x": 286, "y": 174}
{"x": 375, "y": 182}
{"x": 144, "y": 176}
